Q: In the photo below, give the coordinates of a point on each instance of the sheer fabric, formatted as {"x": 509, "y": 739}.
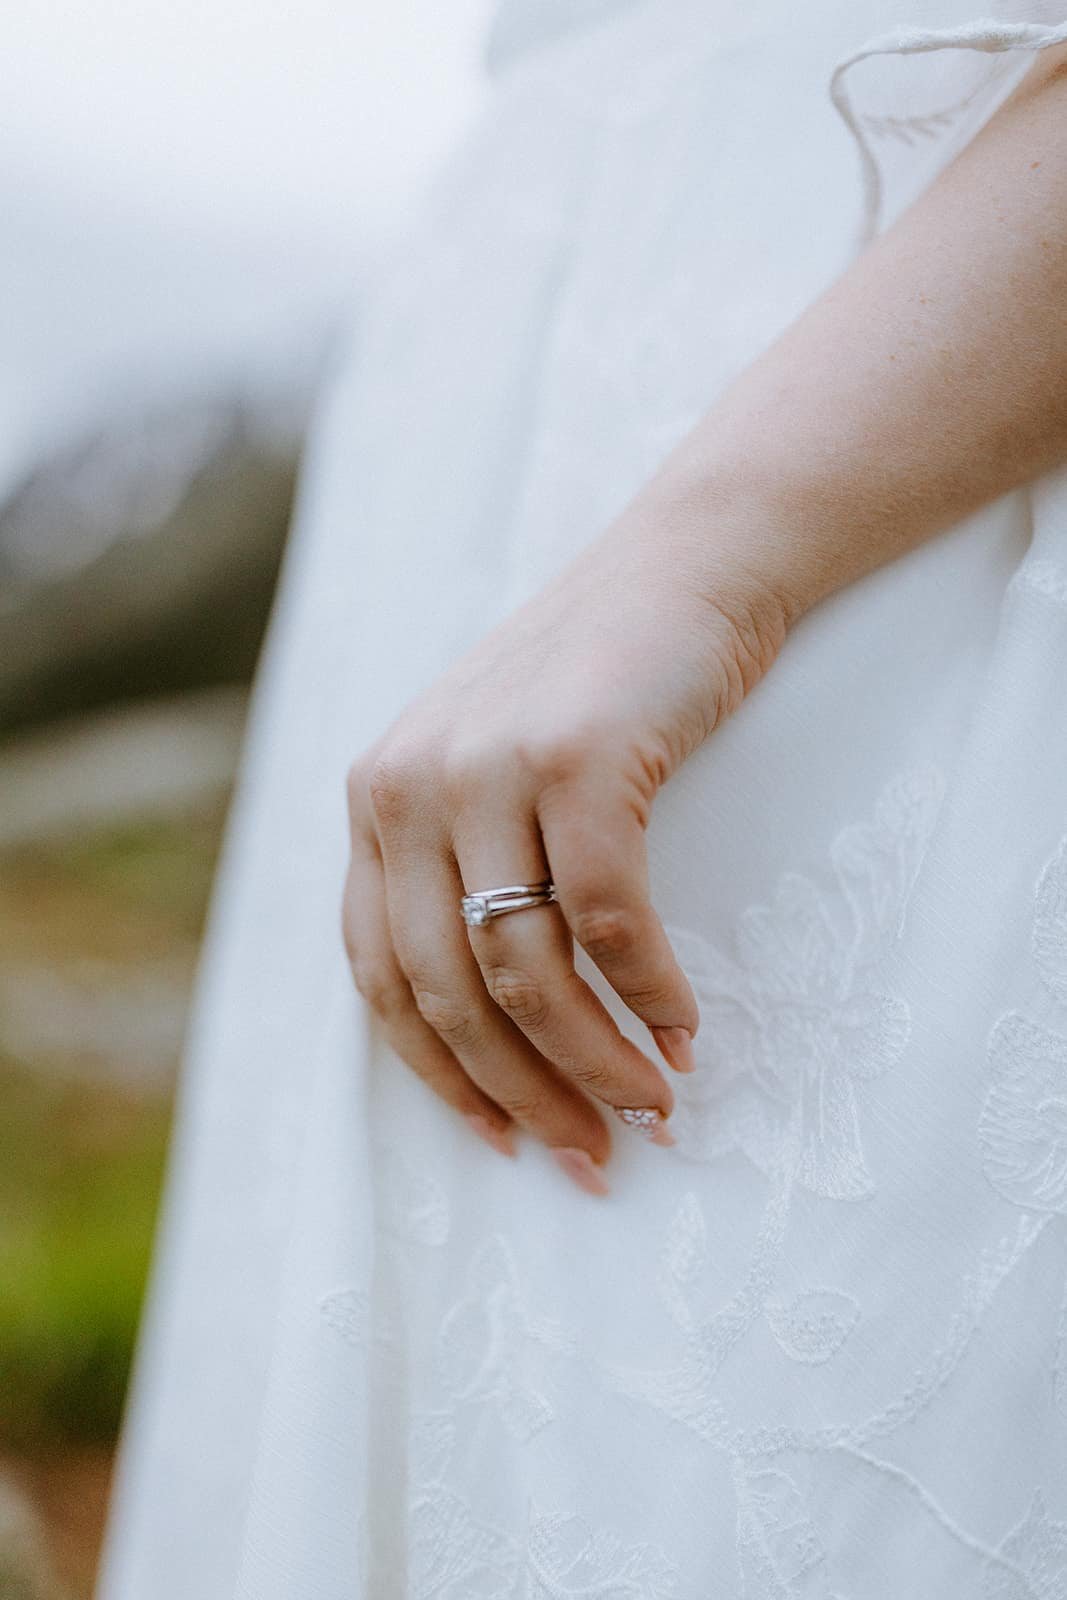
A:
{"x": 819, "y": 1349}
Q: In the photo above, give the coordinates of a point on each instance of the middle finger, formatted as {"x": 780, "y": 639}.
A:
{"x": 527, "y": 962}
{"x": 423, "y": 891}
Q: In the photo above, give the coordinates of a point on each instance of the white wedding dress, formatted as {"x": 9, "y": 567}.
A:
{"x": 820, "y": 1348}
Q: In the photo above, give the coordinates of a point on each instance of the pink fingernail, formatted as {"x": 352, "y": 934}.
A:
{"x": 676, "y": 1047}
{"x": 579, "y": 1165}
{"x": 646, "y": 1121}
{"x": 501, "y": 1139}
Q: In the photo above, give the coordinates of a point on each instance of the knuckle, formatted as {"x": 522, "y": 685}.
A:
{"x": 604, "y": 932}
{"x": 377, "y": 983}
{"x": 471, "y": 765}
{"x": 517, "y": 994}
{"x": 391, "y": 785}
{"x": 597, "y": 1078}
{"x": 554, "y": 757}
{"x": 646, "y": 995}
{"x": 526, "y": 1108}
{"x": 450, "y": 1018}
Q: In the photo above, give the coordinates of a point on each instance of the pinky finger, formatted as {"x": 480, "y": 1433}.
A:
{"x": 378, "y": 977}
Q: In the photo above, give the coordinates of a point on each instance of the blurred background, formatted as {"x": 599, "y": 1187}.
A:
{"x": 190, "y": 196}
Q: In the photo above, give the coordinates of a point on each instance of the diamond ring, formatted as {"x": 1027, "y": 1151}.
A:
{"x": 477, "y": 909}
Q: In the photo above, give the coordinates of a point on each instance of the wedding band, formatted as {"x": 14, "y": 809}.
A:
{"x": 478, "y": 908}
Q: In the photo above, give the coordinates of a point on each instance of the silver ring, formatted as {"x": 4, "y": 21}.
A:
{"x": 476, "y": 909}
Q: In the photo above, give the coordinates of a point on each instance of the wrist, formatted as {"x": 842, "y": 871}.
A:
{"x": 778, "y": 512}
{"x": 700, "y": 545}
{"x": 748, "y": 539}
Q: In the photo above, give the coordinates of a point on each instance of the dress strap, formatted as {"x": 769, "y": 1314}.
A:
{"x": 962, "y": 99}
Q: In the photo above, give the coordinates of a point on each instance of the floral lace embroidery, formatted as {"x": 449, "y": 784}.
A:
{"x": 347, "y": 1312}
{"x": 777, "y": 1541}
{"x": 1043, "y": 577}
{"x": 566, "y": 1557}
{"x": 803, "y": 988}
{"x": 484, "y": 1338}
{"x": 798, "y": 1019}
{"x": 1050, "y": 925}
{"x": 457, "y": 1555}
{"x": 1023, "y": 1129}
{"x": 776, "y": 1538}
{"x": 1023, "y": 1125}
{"x": 813, "y": 1327}
{"x": 1037, "y": 1550}
{"x": 414, "y": 1205}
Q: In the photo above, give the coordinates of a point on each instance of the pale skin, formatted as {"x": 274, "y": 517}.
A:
{"x": 929, "y": 379}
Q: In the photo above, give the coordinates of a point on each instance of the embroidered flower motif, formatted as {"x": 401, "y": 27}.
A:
{"x": 454, "y": 1554}
{"x": 1037, "y": 1549}
{"x": 568, "y": 1558}
{"x": 459, "y": 1554}
{"x": 347, "y": 1312}
{"x": 798, "y": 1019}
{"x": 777, "y": 1540}
{"x": 414, "y": 1206}
{"x": 813, "y": 1326}
{"x": 1059, "y": 1363}
{"x": 1042, "y": 577}
{"x": 1050, "y": 924}
{"x": 1023, "y": 1125}
{"x": 485, "y": 1340}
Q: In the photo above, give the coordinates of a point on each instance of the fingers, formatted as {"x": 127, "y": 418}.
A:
{"x": 423, "y": 890}
{"x": 380, "y": 980}
{"x": 595, "y": 842}
{"x": 449, "y": 992}
{"x": 527, "y": 963}
{"x": 495, "y": 1018}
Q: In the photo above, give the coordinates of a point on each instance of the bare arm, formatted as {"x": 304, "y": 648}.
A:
{"x": 928, "y": 380}
{"x": 931, "y": 378}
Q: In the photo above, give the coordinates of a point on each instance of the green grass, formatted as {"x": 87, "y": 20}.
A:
{"x": 80, "y": 1171}
{"x": 82, "y": 1154}
{"x": 157, "y": 872}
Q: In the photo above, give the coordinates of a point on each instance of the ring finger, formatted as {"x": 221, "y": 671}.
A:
{"x": 527, "y": 963}
{"x": 423, "y": 893}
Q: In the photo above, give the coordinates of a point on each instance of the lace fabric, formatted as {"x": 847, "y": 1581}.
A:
{"x": 817, "y": 1350}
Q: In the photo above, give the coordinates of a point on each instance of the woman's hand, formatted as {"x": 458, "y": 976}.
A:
{"x": 538, "y": 755}
{"x": 929, "y": 379}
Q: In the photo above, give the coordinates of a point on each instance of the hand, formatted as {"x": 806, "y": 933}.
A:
{"x": 913, "y": 391}
{"x": 538, "y": 755}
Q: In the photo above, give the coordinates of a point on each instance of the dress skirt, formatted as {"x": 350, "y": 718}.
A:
{"x": 818, "y": 1350}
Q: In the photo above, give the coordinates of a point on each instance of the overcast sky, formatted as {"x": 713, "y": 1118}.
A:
{"x": 186, "y": 189}
{"x": 241, "y": 106}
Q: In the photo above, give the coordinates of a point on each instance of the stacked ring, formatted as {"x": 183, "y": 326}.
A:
{"x": 478, "y": 908}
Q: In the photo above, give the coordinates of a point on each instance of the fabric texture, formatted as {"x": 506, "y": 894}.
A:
{"x": 820, "y": 1348}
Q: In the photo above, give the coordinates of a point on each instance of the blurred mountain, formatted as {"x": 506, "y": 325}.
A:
{"x": 142, "y": 558}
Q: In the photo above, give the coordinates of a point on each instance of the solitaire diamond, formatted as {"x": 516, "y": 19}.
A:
{"x": 484, "y": 904}
{"x": 475, "y": 911}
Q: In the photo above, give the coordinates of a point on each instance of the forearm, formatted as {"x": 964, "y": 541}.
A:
{"x": 929, "y": 379}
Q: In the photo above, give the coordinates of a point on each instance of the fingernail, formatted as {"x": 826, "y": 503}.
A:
{"x": 646, "y": 1121}
{"x": 579, "y": 1165}
{"x": 676, "y": 1047}
{"x": 501, "y": 1139}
